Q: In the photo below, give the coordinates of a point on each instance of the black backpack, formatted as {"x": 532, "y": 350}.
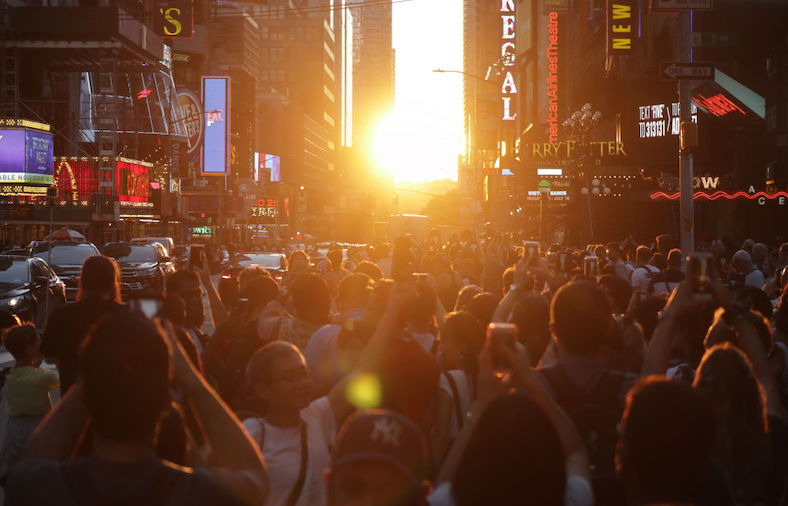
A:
{"x": 596, "y": 413}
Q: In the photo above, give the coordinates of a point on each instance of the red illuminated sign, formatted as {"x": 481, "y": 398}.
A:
{"x": 719, "y": 105}
{"x": 266, "y": 210}
{"x": 552, "y": 76}
{"x": 144, "y": 93}
{"x": 77, "y": 179}
{"x": 133, "y": 182}
{"x": 760, "y": 197}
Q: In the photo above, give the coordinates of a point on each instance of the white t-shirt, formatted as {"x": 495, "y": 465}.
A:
{"x": 755, "y": 279}
{"x": 641, "y": 278}
{"x": 463, "y": 390}
{"x": 578, "y": 493}
{"x": 282, "y": 452}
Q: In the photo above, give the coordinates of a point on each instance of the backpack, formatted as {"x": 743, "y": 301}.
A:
{"x": 595, "y": 413}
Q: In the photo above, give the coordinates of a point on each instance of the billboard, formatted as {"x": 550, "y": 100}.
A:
{"x": 25, "y": 156}
{"x": 192, "y": 117}
{"x": 77, "y": 179}
{"x": 215, "y": 151}
{"x": 266, "y": 167}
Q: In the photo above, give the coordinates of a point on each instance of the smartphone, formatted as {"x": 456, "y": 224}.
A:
{"x": 499, "y": 337}
{"x": 148, "y": 307}
{"x": 531, "y": 248}
{"x": 591, "y": 266}
{"x": 196, "y": 256}
{"x": 700, "y": 270}
{"x": 402, "y": 259}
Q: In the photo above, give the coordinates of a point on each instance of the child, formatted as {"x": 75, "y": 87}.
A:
{"x": 27, "y": 393}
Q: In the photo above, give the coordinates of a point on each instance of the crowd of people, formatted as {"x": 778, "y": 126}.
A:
{"x": 473, "y": 372}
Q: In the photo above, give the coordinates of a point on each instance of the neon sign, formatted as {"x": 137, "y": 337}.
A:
{"x": 508, "y": 88}
{"x": 760, "y": 197}
{"x": 552, "y": 76}
{"x": 719, "y": 105}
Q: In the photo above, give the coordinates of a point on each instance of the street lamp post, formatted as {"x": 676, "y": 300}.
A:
{"x": 544, "y": 192}
{"x": 580, "y": 125}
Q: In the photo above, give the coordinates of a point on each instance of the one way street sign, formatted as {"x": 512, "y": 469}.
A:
{"x": 674, "y": 71}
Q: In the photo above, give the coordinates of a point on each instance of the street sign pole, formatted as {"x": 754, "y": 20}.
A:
{"x": 686, "y": 205}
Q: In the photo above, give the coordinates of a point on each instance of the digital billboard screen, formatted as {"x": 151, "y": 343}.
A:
{"x": 26, "y": 156}
{"x": 216, "y": 143}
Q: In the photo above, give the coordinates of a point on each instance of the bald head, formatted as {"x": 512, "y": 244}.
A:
{"x": 742, "y": 261}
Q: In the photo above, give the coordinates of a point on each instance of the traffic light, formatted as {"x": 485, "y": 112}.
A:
{"x": 302, "y": 200}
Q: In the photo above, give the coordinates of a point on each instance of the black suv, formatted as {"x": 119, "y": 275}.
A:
{"x": 65, "y": 258}
{"x": 142, "y": 267}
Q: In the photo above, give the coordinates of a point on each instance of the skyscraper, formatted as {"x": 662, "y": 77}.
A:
{"x": 373, "y": 68}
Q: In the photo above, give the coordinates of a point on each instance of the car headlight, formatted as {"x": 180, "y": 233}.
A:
{"x": 13, "y": 301}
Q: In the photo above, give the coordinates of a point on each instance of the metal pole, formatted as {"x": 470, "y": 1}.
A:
{"x": 590, "y": 218}
{"x": 541, "y": 218}
{"x": 686, "y": 209}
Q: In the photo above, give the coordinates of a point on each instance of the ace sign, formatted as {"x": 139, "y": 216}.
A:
{"x": 174, "y": 18}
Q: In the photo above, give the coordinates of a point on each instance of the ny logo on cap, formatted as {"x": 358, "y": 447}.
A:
{"x": 387, "y": 431}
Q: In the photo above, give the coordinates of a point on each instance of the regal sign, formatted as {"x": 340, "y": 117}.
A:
{"x": 508, "y": 88}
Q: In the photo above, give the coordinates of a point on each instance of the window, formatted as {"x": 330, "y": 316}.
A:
{"x": 264, "y": 54}
{"x": 291, "y": 33}
{"x": 300, "y": 32}
{"x": 265, "y": 33}
{"x": 264, "y": 74}
{"x": 281, "y": 75}
{"x": 291, "y": 76}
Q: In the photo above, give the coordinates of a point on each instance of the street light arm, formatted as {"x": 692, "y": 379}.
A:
{"x": 444, "y": 71}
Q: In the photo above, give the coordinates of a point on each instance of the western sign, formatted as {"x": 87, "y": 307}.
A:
{"x": 620, "y": 27}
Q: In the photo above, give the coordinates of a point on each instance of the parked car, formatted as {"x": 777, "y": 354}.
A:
{"x": 65, "y": 258}
{"x": 167, "y": 242}
{"x": 274, "y": 263}
{"x": 143, "y": 267}
{"x": 29, "y": 288}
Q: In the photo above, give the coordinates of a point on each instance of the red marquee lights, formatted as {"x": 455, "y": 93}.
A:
{"x": 718, "y": 105}
{"x": 722, "y": 195}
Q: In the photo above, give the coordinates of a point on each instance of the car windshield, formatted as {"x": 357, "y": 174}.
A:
{"x": 131, "y": 253}
{"x": 13, "y": 271}
{"x": 67, "y": 254}
{"x": 263, "y": 260}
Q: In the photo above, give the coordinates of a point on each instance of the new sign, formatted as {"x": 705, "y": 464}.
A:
{"x": 25, "y": 156}
{"x": 621, "y": 29}
{"x": 216, "y": 108}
